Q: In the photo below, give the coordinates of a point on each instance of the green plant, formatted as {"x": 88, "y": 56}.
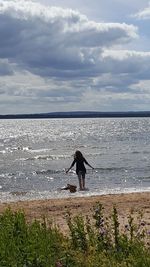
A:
{"x": 98, "y": 243}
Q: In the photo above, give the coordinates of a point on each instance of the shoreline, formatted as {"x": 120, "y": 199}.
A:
{"x": 56, "y": 209}
{"x": 25, "y": 196}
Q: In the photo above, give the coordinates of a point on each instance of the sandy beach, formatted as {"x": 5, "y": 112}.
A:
{"x": 55, "y": 209}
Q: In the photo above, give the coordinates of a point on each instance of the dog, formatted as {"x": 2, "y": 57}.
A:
{"x": 70, "y": 187}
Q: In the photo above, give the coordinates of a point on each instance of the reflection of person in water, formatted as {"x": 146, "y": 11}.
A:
{"x": 80, "y": 168}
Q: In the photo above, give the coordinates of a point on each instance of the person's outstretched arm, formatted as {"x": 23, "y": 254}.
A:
{"x": 88, "y": 164}
{"x": 71, "y": 166}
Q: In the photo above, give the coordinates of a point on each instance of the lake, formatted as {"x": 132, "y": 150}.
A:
{"x": 34, "y": 154}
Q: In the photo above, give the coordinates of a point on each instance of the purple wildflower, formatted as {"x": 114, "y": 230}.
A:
{"x": 58, "y": 264}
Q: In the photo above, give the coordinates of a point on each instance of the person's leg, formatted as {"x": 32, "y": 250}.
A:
{"x": 80, "y": 180}
{"x": 83, "y": 180}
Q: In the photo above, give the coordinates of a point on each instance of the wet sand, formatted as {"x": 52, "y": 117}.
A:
{"x": 56, "y": 209}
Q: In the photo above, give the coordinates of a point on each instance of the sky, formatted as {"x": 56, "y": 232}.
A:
{"x": 78, "y": 55}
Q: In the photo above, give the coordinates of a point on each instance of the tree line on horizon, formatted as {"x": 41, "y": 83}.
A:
{"x": 78, "y": 114}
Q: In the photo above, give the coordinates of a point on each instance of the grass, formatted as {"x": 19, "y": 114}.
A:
{"x": 89, "y": 243}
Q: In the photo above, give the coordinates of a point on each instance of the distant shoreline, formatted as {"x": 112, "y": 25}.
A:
{"x": 78, "y": 114}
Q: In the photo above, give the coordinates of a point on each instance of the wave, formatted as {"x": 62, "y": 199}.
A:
{"x": 7, "y": 175}
{"x": 46, "y": 157}
{"x": 95, "y": 154}
{"x": 2, "y": 151}
{"x": 48, "y": 171}
{"x": 17, "y": 148}
{"x": 54, "y": 171}
{"x": 142, "y": 178}
{"x": 41, "y": 150}
{"x": 51, "y": 172}
{"x": 110, "y": 169}
{"x": 135, "y": 152}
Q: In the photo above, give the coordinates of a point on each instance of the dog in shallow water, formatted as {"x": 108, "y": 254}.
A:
{"x": 70, "y": 187}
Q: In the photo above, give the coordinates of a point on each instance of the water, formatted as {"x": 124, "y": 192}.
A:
{"x": 35, "y": 153}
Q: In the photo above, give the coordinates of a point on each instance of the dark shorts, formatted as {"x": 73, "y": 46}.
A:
{"x": 81, "y": 173}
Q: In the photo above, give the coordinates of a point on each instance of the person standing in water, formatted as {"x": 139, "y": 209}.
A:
{"x": 80, "y": 168}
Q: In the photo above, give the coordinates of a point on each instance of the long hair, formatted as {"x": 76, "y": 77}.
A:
{"x": 78, "y": 155}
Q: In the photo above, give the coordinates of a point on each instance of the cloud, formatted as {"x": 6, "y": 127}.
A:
{"x": 51, "y": 55}
{"x": 27, "y": 85}
{"x": 5, "y": 67}
{"x": 143, "y": 14}
{"x": 132, "y": 62}
{"x": 50, "y": 40}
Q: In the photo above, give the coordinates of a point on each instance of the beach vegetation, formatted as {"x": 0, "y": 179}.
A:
{"x": 99, "y": 241}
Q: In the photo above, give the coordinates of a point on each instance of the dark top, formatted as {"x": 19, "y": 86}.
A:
{"x": 79, "y": 165}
